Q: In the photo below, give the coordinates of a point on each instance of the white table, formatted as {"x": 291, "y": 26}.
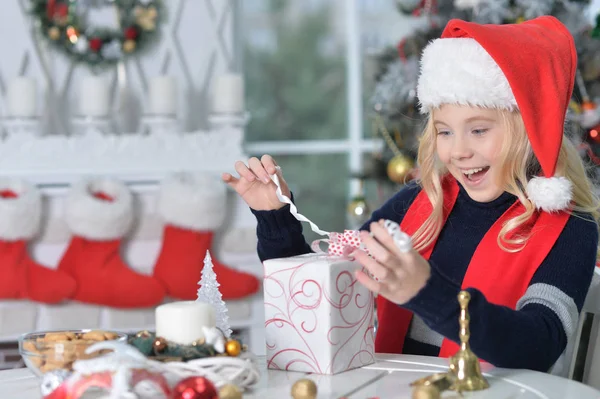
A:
{"x": 388, "y": 378}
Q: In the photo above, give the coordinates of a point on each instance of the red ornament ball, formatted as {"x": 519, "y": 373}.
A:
{"x": 195, "y": 388}
{"x": 95, "y": 44}
{"x": 61, "y": 11}
{"x": 131, "y": 33}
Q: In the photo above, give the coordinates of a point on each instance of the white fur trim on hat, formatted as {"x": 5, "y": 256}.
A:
{"x": 97, "y": 219}
{"x": 194, "y": 201}
{"x": 550, "y": 194}
{"x": 460, "y": 71}
{"x": 19, "y": 216}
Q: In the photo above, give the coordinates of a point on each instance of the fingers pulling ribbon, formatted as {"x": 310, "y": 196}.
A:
{"x": 342, "y": 244}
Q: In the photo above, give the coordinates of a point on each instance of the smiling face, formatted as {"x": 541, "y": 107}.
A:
{"x": 469, "y": 142}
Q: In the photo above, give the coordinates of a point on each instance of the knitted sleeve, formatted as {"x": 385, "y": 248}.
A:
{"x": 534, "y": 335}
{"x": 280, "y": 234}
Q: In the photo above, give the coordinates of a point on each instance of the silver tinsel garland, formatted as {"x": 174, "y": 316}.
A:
{"x": 492, "y": 11}
{"x": 397, "y": 87}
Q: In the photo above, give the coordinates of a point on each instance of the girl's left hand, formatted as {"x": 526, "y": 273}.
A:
{"x": 401, "y": 275}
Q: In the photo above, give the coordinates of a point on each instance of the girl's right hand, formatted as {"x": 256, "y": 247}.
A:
{"x": 255, "y": 185}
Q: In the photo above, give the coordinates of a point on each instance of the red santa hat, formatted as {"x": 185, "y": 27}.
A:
{"x": 528, "y": 67}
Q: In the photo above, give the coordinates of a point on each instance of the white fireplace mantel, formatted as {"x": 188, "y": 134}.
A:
{"x": 59, "y": 160}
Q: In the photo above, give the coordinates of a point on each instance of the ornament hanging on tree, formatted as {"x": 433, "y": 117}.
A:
{"x": 209, "y": 293}
{"x": 399, "y": 168}
{"x": 358, "y": 208}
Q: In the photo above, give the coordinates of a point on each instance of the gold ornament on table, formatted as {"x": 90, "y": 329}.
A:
{"x": 304, "y": 389}
{"x": 465, "y": 364}
{"x": 159, "y": 344}
{"x": 426, "y": 392}
{"x": 233, "y": 347}
{"x": 431, "y": 387}
{"x": 230, "y": 391}
{"x": 465, "y": 372}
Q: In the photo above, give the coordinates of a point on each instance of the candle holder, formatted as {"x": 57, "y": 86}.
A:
{"x": 465, "y": 373}
{"x": 83, "y": 125}
{"x": 224, "y": 120}
{"x": 160, "y": 124}
{"x": 15, "y": 126}
{"x": 465, "y": 364}
{"x": 160, "y": 349}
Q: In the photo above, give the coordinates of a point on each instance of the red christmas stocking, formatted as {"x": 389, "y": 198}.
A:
{"x": 99, "y": 213}
{"x": 193, "y": 206}
{"x": 20, "y": 213}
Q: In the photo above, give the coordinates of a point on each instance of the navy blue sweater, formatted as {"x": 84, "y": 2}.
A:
{"x": 533, "y": 336}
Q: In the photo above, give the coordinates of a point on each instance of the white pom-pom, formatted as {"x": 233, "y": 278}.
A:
{"x": 550, "y": 194}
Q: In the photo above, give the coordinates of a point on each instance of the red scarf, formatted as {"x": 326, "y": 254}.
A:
{"x": 503, "y": 277}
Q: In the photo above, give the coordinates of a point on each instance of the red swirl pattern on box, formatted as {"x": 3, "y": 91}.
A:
{"x": 319, "y": 318}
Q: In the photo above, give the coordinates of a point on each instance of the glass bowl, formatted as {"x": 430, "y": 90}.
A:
{"x": 45, "y": 351}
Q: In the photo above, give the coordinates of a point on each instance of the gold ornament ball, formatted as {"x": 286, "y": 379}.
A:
{"x": 230, "y": 391}
{"x": 426, "y": 392}
{"x": 304, "y": 389}
{"x": 128, "y": 46}
{"x": 160, "y": 344}
{"x": 399, "y": 168}
{"x": 358, "y": 207}
{"x": 54, "y": 33}
{"x": 233, "y": 347}
{"x": 143, "y": 334}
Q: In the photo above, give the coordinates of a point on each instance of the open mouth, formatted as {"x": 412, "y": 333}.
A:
{"x": 476, "y": 174}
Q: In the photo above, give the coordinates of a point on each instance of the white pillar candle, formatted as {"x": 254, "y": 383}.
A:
{"x": 94, "y": 96}
{"x": 22, "y": 97}
{"x": 182, "y": 322}
{"x": 228, "y": 94}
{"x": 163, "y": 95}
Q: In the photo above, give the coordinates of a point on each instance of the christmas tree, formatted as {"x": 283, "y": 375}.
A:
{"x": 209, "y": 293}
{"x": 393, "y": 103}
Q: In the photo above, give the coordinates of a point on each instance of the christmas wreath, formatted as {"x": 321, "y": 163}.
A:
{"x": 65, "y": 24}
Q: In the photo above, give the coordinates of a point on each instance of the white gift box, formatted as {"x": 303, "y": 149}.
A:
{"x": 319, "y": 318}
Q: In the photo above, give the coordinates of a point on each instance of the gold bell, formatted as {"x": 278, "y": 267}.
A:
{"x": 464, "y": 365}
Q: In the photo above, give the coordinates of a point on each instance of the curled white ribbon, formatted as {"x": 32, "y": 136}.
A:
{"x": 401, "y": 239}
{"x": 293, "y": 209}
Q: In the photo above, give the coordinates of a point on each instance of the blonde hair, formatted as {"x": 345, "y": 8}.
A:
{"x": 519, "y": 164}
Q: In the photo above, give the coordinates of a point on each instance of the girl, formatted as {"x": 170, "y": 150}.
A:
{"x": 503, "y": 207}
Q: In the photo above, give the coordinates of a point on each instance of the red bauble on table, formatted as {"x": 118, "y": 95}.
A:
{"x": 195, "y": 388}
